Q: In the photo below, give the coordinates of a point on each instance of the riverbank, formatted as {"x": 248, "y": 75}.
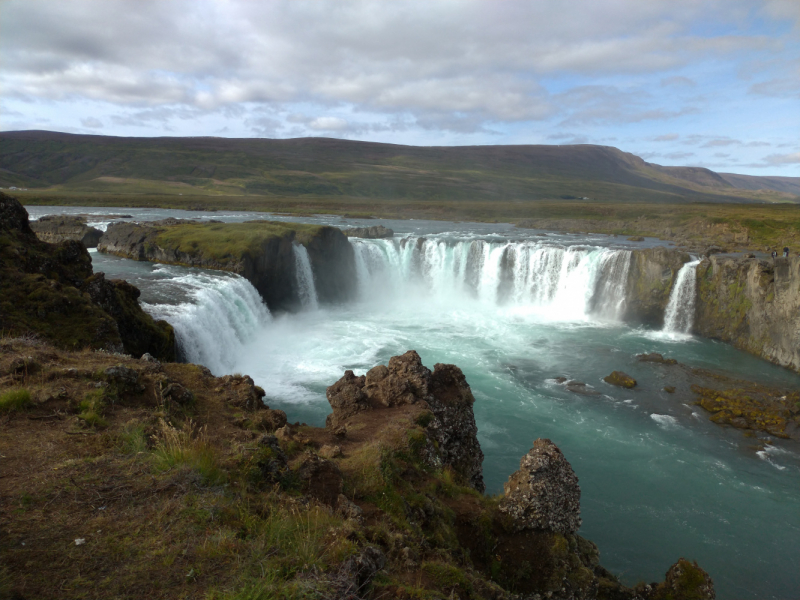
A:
{"x": 757, "y": 227}
{"x": 180, "y": 483}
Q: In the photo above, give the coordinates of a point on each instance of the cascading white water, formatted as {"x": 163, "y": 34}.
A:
{"x": 224, "y": 313}
{"x": 306, "y": 290}
{"x": 679, "y": 316}
{"x": 564, "y": 283}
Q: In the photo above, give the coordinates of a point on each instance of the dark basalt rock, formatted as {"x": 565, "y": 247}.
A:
{"x": 544, "y": 492}
{"x": 59, "y": 228}
{"x": 374, "y": 232}
{"x": 140, "y": 333}
{"x": 655, "y": 357}
{"x": 49, "y": 290}
{"x": 451, "y": 429}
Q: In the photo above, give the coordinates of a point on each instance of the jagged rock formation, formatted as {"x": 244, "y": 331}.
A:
{"x": 751, "y": 304}
{"x": 374, "y": 232}
{"x": 268, "y": 263}
{"x": 544, "y": 492}
{"x": 650, "y": 279}
{"x": 60, "y": 228}
{"x": 49, "y": 290}
{"x": 450, "y": 422}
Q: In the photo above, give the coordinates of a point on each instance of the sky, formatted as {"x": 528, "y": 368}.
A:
{"x": 710, "y": 83}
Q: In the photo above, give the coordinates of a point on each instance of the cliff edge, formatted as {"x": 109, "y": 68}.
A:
{"x": 260, "y": 251}
{"x": 49, "y": 290}
{"x": 752, "y": 304}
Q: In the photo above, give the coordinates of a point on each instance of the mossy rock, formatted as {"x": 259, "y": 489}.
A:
{"x": 620, "y": 379}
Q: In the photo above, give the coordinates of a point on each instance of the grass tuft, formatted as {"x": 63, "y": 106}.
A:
{"x": 187, "y": 447}
{"x": 14, "y": 400}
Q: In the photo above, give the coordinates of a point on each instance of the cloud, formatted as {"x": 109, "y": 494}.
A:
{"x": 593, "y": 104}
{"x": 667, "y": 137}
{"x": 463, "y": 65}
{"x": 328, "y": 124}
{"x": 782, "y": 159}
{"x": 721, "y": 142}
{"x": 678, "y": 81}
{"x": 92, "y": 123}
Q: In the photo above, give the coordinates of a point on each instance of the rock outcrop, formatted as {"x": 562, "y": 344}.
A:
{"x": 268, "y": 262}
{"x": 374, "y": 232}
{"x": 650, "y": 278}
{"x": 443, "y": 397}
{"x": 752, "y": 304}
{"x": 49, "y": 290}
{"x": 61, "y": 228}
{"x": 544, "y": 492}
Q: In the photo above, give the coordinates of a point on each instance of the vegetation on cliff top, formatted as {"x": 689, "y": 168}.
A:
{"x": 225, "y": 240}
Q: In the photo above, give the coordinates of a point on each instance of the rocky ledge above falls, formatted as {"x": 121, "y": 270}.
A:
{"x": 260, "y": 251}
{"x": 61, "y": 228}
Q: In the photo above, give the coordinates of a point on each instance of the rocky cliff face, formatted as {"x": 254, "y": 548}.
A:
{"x": 752, "y": 304}
{"x": 443, "y": 398}
{"x": 271, "y": 268}
{"x": 650, "y": 279}
{"x": 54, "y": 229}
{"x": 49, "y": 290}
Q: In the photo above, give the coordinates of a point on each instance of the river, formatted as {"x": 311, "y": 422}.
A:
{"x": 516, "y": 309}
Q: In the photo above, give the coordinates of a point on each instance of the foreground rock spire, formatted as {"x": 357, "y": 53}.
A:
{"x": 544, "y": 492}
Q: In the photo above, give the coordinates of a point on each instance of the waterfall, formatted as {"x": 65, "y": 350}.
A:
{"x": 306, "y": 290}
{"x": 679, "y": 316}
{"x": 223, "y": 312}
{"x": 563, "y": 283}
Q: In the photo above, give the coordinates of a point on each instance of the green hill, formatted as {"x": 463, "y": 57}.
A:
{"x": 331, "y": 168}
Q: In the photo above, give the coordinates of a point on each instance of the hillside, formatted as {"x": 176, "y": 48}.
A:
{"x": 332, "y": 168}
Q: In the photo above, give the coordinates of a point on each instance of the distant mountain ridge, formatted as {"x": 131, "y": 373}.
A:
{"x": 315, "y": 167}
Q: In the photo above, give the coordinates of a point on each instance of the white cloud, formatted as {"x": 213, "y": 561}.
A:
{"x": 92, "y": 123}
{"x": 328, "y": 124}
{"x": 783, "y": 159}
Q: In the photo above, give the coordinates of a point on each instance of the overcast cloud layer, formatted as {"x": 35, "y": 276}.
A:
{"x": 711, "y": 83}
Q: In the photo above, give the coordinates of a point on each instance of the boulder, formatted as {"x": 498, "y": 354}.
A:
{"x": 620, "y": 379}
{"x": 320, "y": 478}
{"x": 544, "y": 493}
{"x": 270, "y": 420}
{"x": 655, "y": 357}
{"x": 685, "y": 581}
{"x": 243, "y": 392}
{"x": 272, "y": 462}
